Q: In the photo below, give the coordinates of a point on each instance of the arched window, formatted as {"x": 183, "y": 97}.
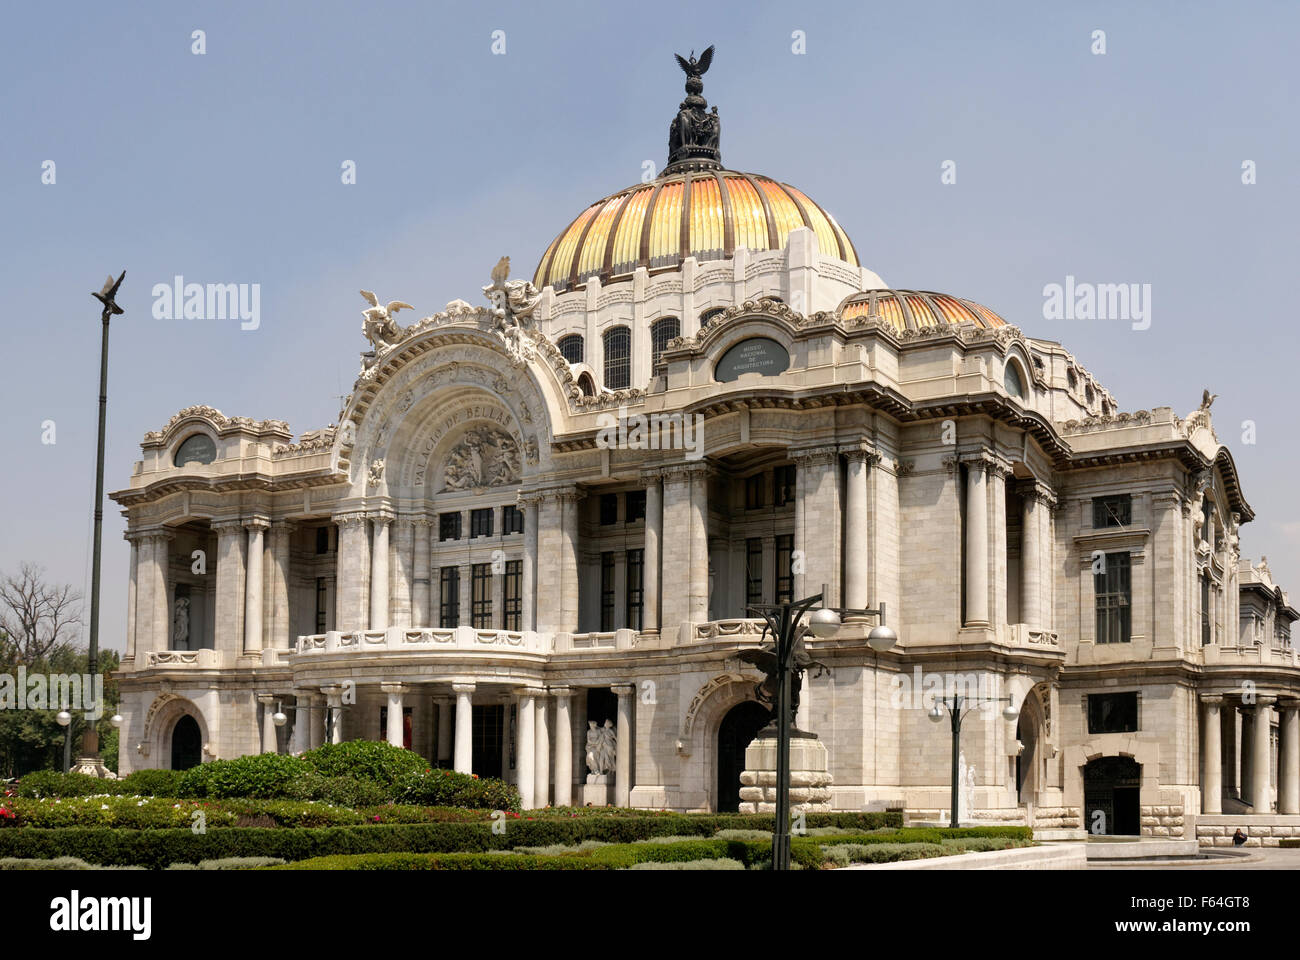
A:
{"x": 618, "y": 358}
{"x": 1012, "y": 380}
{"x": 586, "y": 386}
{"x": 197, "y": 448}
{"x": 709, "y": 314}
{"x": 663, "y": 330}
{"x": 571, "y": 347}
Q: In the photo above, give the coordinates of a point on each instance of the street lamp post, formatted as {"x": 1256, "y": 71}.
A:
{"x": 784, "y": 620}
{"x": 89, "y": 761}
{"x": 954, "y": 704}
{"x": 64, "y": 719}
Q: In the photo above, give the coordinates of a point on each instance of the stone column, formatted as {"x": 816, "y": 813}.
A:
{"x": 1245, "y": 755}
{"x": 464, "y": 762}
{"x": 253, "y": 587}
{"x": 856, "y": 559}
{"x": 525, "y": 748}
{"x": 1288, "y": 757}
{"x": 229, "y": 621}
{"x": 528, "y": 588}
{"x": 403, "y": 553}
{"x": 1260, "y": 791}
{"x": 506, "y": 702}
{"x": 541, "y": 752}
{"x": 498, "y": 593}
{"x": 675, "y": 555}
{"x": 395, "y": 712}
{"x": 353, "y": 573}
{"x": 132, "y": 592}
{"x": 1030, "y": 559}
{"x": 654, "y": 531}
{"x": 817, "y": 511}
{"x": 977, "y": 544}
{"x": 1212, "y": 757}
{"x": 444, "y": 731}
{"x": 697, "y": 585}
{"x": 421, "y": 615}
{"x": 302, "y": 730}
{"x": 563, "y": 747}
{"x": 623, "y": 754}
{"x": 570, "y": 581}
{"x": 267, "y": 700}
{"x": 316, "y": 723}
{"x": 162, "y": 594}
{"x": 333, "y": 711}
{"x": 278, "y": 583}
{"x": 467, "y": 595}
{"x": 379, "y": 574}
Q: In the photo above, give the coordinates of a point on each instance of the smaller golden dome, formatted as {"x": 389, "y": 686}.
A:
{"x": 918, "y": 309}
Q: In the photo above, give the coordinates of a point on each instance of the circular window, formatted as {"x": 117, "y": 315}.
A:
{"x": 198, "y": 448}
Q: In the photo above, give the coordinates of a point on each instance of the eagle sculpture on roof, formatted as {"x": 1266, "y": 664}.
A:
{"x": 693, "y": 67}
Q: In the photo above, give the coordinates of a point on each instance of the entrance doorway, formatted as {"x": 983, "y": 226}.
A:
{"x": 1111, "y": 789}
{"x": 487, "y": 737}
{"x": 738, "y": 728}
{"x": 187, "y": 743}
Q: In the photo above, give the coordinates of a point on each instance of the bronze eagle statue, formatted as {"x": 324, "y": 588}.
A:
{"x": 693, "y": 67}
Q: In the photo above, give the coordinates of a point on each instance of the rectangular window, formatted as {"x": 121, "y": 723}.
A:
{"x": 513, "y": 595}
{"x": 322, "y": 604}
{"x": 635, "y": 571}
{"x": 754, "y": 491}
{"x": 606, "y": 592}
{"x": 785, "y": 568}
{"x": 1112, "y": 511}
{"x": 449, "y": 609}
{"x": 783, "y": 485}
{"x": 635, "y": 505}
{"x": 1205, "y": 611}
{"x": 481, "y": 596}
{"x": 1114, "y": 599}
{"x": 480, "y": 522}
{"x": 449, "y": 526}
{"x": 1112, "y": 712}
{"x": 512, "y": 519}
{"x": 753, "y": 571}
{"x": 608, "y": 509}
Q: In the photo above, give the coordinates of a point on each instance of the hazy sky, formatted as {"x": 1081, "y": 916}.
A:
{"x": 225, "y": 168}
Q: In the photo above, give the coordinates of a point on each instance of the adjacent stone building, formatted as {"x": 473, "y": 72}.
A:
{"x": 539, "y": 524}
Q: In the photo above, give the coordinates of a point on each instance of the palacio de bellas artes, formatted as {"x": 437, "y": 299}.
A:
{"x": 533, "y": 542}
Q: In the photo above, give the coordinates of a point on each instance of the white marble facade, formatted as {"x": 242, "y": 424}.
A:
{"x": 465, "y": 565}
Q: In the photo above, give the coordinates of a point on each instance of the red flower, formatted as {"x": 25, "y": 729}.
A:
{"x": 474, "y": 775}
{"x": 375, "y": 818}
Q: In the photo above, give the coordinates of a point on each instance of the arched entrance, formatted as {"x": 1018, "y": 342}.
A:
{"x": 187, "y": 743}
{"x": 1030, "y": 732}
{"x": 738, "y": 728}
{"x": 1111, "y": 795}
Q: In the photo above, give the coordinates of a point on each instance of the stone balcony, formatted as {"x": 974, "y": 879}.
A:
{"x": 422, "y": 640}
{"x": 1250, "y": 655}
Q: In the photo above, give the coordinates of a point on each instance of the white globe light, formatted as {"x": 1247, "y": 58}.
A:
{"x": 881, "y": 638}
{"x": 1010, "y": 712}
{"x": 935, "y": 713}
{"x": 63, "y": 717}
{"x": 824, "y": 622}
{"x": 278, "y": 718}
{"x": 116, "y": 720}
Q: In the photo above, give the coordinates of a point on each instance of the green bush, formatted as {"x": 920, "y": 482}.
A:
{"x": 690, "y": 865}
{"x": 846, "y": 853}
{"x": 259, "y": 775}
{"x": 374, "y": 761}
{"x": 229, "y": 863}
{"x": 151, "y": 783}
{"x": 58, "y": 863}
{"x": 53, "y": 783}
{"x": 450, "y": 789}
{"x": 444, "y": 861}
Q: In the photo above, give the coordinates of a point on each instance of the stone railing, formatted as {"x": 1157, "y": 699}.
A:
{"x": 423, "y": 639}
{"x": 197, "y": 659}
{"x": 1214, "y": 653}
{"x": 748, "y": 629}
{"x": 602, "y": 640}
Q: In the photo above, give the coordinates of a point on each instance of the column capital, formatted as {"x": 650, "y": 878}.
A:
{"x": 561, "y": 693}
{"x": 228, "y": 526}
{"x": 283, "y": 527}
{"x": 649, "y": 478}
{"x": 623, "y": 689}
{"x": 420, "y": 520}
{"x": 1037, "y": 491}
{"x": 464, "y": 688}
{"x": 1288, "y": 703}
{"x": 257, "y": 523}
{"x": 861, "y": 452}
{"x": 819, "y": 454}
{"x": 350, "y": 518}
{"x": 530, "y": 497}
{"x": 986, "y": 461}
{"x": 267, "y": 698}
{"x": 1212, "y": 699}
{"x": 1264, "y": 702}
{"x": 397, "y": 688}
{"x": 381, "y": 517}
{"x": 565, "y": 493}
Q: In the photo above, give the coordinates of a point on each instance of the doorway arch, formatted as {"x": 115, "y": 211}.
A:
{"x": 1111, "y": 794}
{"x": 741, "y": 725}
{"x": 187, "y": 743}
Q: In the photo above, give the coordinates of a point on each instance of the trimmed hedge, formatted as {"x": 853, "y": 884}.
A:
{"x": 159, "y": 847}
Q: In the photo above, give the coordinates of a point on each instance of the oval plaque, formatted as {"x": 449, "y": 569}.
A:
{"x": 755, "y": 355}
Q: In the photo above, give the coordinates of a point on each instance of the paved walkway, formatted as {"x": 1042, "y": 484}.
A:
{"x": 1255, "y": 858}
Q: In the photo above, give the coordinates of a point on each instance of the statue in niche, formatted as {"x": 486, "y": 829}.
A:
{"x": 181, "y": 624}
{"x": 602, "y": 748}
{"x": 485, "y": 457}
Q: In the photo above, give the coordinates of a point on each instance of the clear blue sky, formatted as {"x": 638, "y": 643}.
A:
{"x": 226, "y": 168}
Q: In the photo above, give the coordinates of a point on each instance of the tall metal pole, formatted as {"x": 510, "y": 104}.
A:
{"x": 90, "y": 740}
{"x": 781, "y": 831}
{"x": 955, "y": 715}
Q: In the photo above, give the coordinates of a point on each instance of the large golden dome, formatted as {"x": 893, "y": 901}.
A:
{"x": 705, "y": 214}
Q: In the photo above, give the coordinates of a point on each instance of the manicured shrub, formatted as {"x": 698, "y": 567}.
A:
{"x": 448, "y": 788}
{"x": 690, "y": 865}
{"x": 53, "y": 783}
{"x": 229, "y": 863}
{"x": 265, "y": 775}
{"x": 151, "y": 783}
{"x": 374, "y": 761}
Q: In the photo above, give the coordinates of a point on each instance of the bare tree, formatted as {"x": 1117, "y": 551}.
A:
{"x": 38, "y": 617}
